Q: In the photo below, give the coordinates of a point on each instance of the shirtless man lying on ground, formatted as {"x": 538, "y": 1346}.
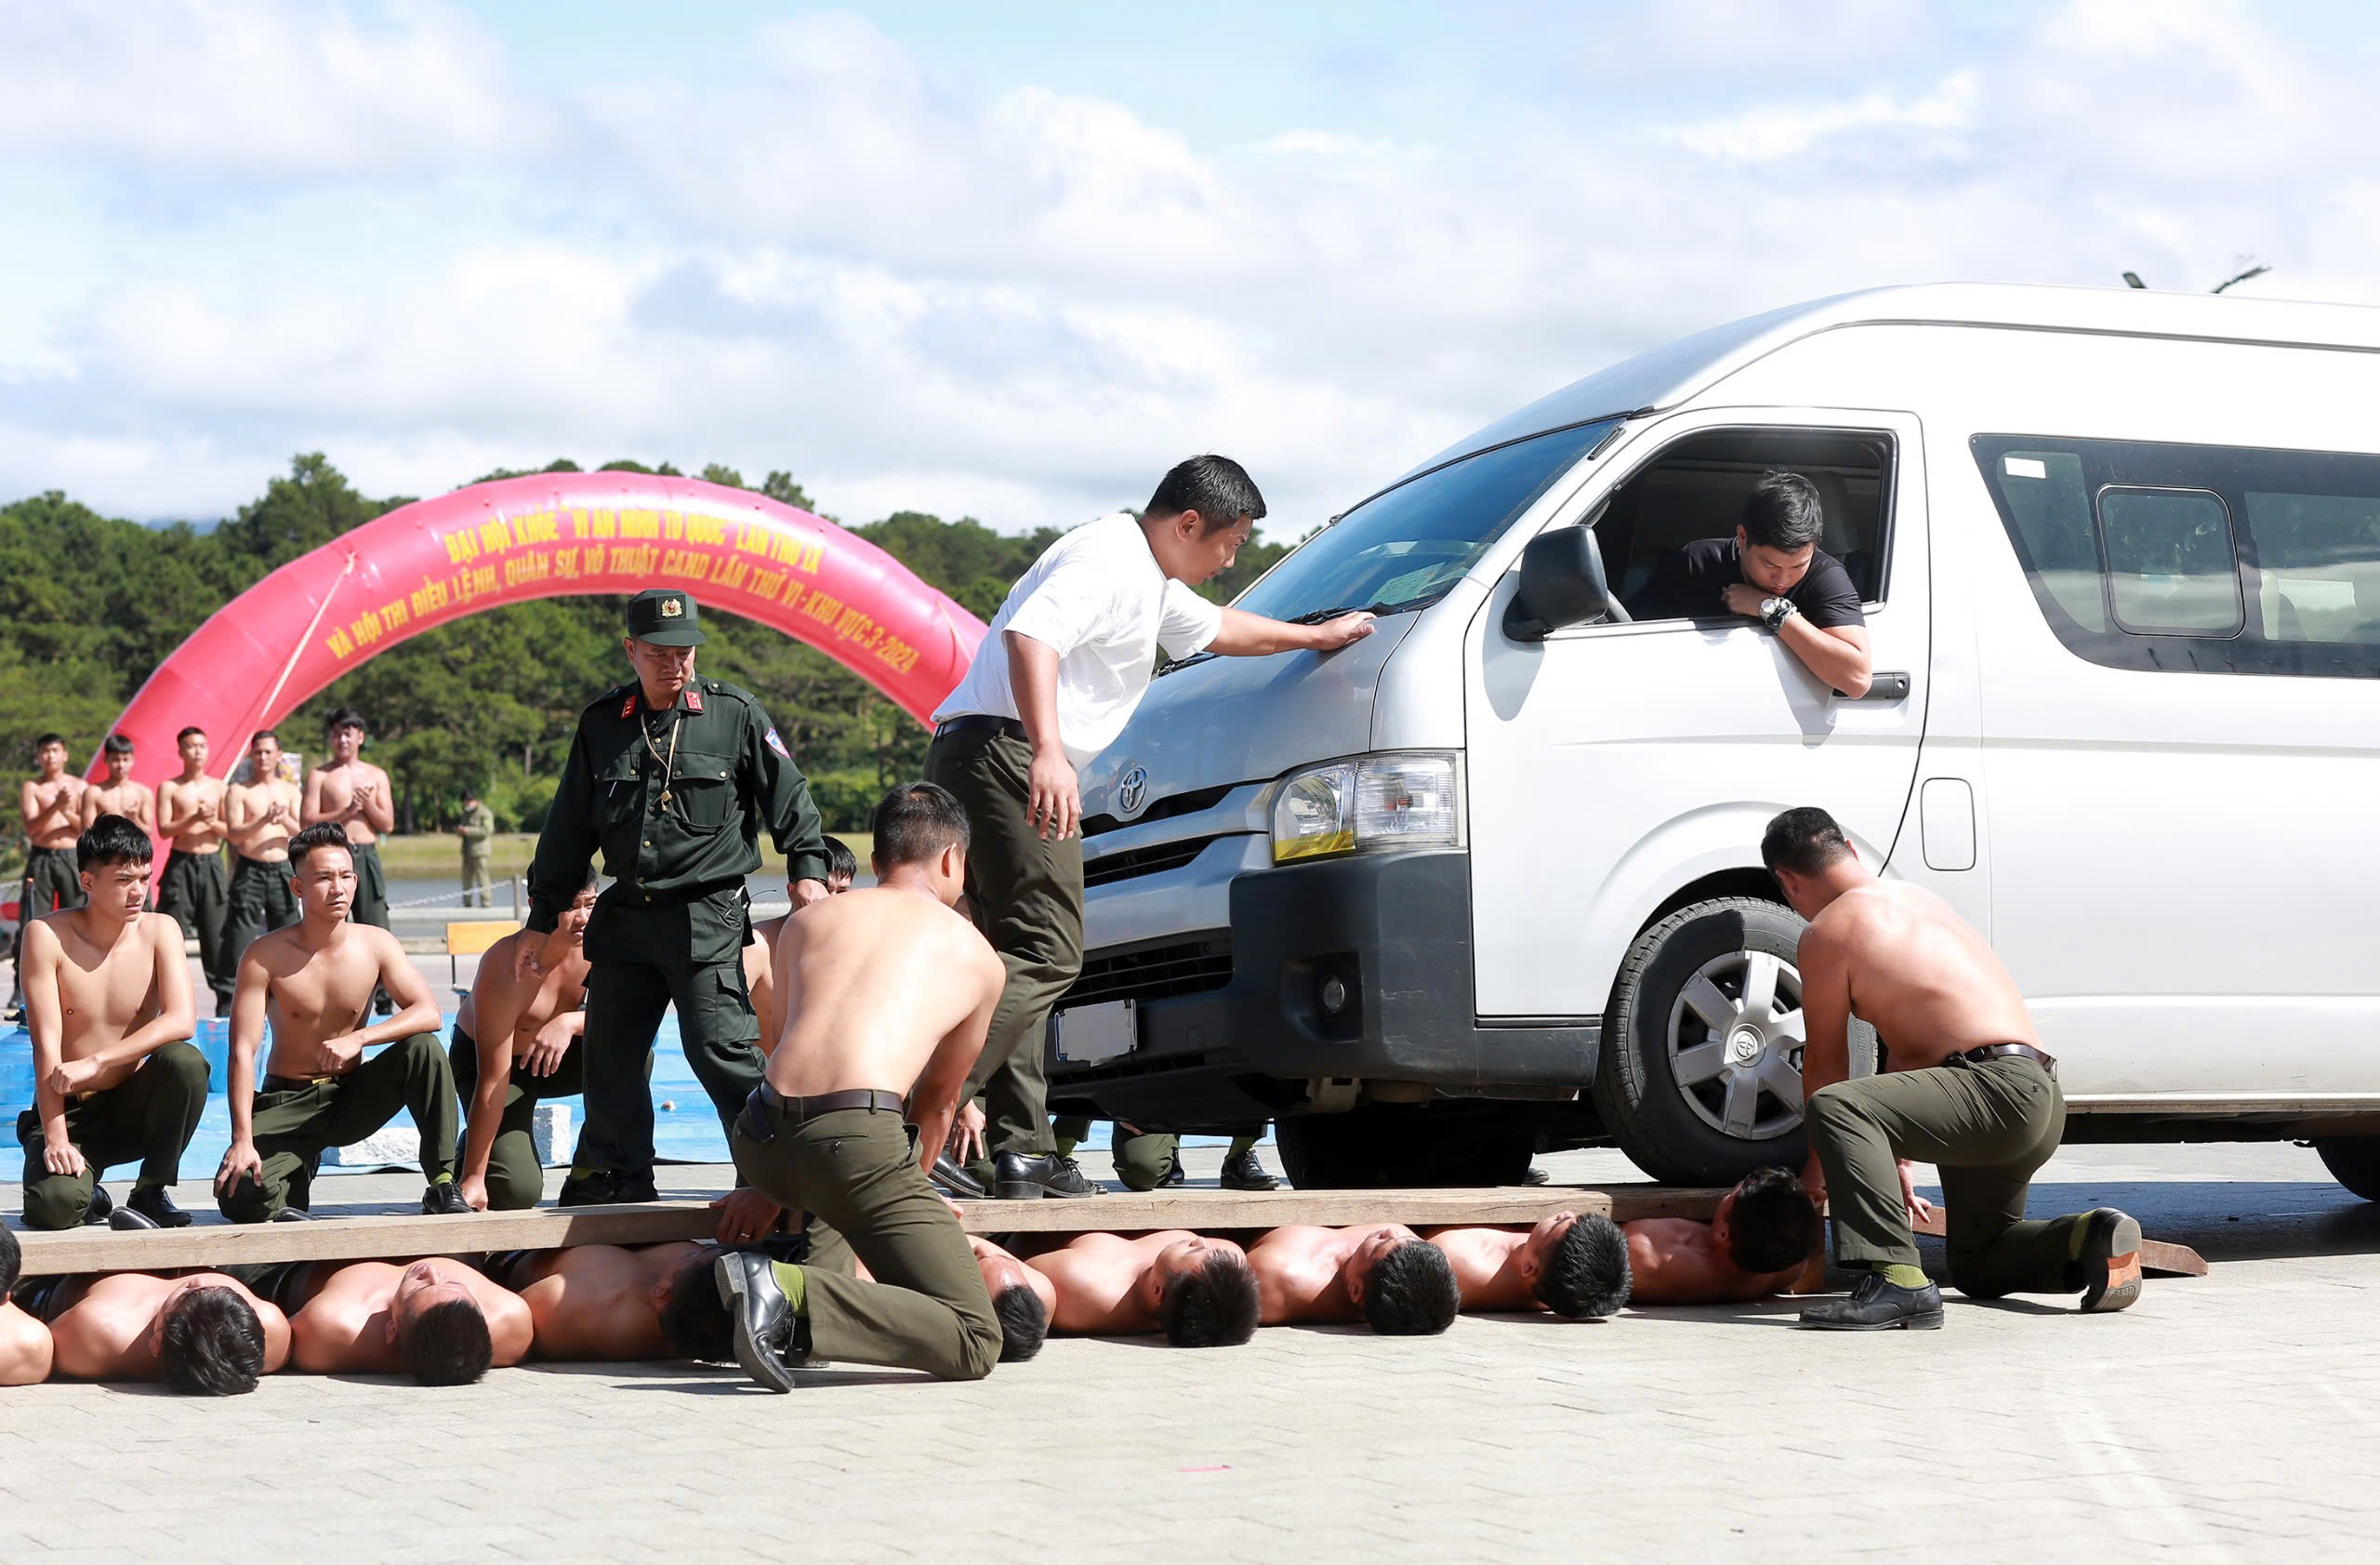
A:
{"x": 201, "y": 1334}
{"x": 517, "y": 1043}
{"x": 607, "y": 1302}
{"x": 1384, "y": 1275}
{"x": 1756, "y": 1244}
{"x": 1199, "y": 1292}
{"x": 24, "y": 1341}
{"x": 439, "y": 1320}
{"x": 1575, "y": 1265}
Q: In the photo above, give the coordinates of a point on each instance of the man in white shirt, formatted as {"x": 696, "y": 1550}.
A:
{"x": 1059, "y": 674}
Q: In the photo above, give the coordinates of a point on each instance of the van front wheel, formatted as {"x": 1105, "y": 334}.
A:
{"x": 1701, "y": 1079}
{"x": 2354, "y": 1162}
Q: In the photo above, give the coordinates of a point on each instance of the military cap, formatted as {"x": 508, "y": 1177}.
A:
{"x": 666, "y": 617}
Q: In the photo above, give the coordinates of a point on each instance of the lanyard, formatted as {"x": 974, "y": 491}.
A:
{"x": 668, "y": 761}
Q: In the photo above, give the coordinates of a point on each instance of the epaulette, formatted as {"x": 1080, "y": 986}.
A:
{"x": 610, "y": 698}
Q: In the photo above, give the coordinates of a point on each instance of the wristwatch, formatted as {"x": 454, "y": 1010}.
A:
{"x": 1775, "y": 612}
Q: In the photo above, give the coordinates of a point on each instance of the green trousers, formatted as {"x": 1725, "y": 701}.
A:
{"x": 516, "y": 1180}
{"x": 371, "y": 904}
{"x": 293, "y": 1126}
{"x": 196, "y": 894}
{"x": 1987, "y": 1125}
{"x": 50, "y": 884}
{"x": 479, "y": 890}
{"x": 1027, "y": 896}
{"x": 856, "y": 1171}
{"x": 149, "y": 1118}
{"x": 260, "y": 900}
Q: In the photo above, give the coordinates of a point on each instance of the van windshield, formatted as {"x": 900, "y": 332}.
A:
{"x": 1404, "y": 549}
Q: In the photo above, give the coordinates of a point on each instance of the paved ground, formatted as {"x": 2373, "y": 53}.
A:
{"x": 2219, "y": 1419}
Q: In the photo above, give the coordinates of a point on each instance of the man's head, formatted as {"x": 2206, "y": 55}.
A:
{"x": 344, "y": 732}
{"x": 209, "y": 1340}
{"x": 12, "y": 1259}
{"x": 118, "y": 751}
{"x": 664, "y": 628}
{"x": 1402, "y": 1283}
{"x": 1205, "y": 1294}
{"x": 1811, "y": 858}
{"x": 842, "y": 865}
{"x": 264, "y": 756}
{"x": 112, "y": 860}
{"x": 571, "y": 927}
{"x": 1779, "y": 536}
{"x": 192, "y": 742}
{"x": 694, "y": 1323}
{"x": 921, "y": 838}
{"x": 1202, "y": 511}
{"x": 1576, "y": 1267}
{"x": 470, "y": 797}
{"x": 439, "y": 1328}
{"x": 1767, "y": 1223}
{"x": 49, "y": 753}
{"x": 322, "y": 870}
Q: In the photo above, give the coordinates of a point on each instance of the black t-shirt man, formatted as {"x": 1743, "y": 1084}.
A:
{"x": 1692, "y": 582}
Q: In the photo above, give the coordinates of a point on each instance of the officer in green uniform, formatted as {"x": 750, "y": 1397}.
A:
{"x": 477, "y": 830}
{"x": 672, "y": 776}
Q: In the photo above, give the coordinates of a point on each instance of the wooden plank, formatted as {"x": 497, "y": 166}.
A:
{"x": 2174, "y": 1260}
{"x": 367, "y": 1237}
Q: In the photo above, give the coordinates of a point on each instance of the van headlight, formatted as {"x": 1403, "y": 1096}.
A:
{"x": 1406, "y": 799}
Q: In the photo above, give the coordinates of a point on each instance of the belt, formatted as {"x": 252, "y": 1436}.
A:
{"x": 794, "y": 1110}
{"x": 980, "y": 722}
{"x": 291, "y": 1083}
{"x": 1999, "y": 1051}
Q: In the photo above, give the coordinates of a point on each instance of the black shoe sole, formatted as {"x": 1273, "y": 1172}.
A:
{"x": 764, "y": 1371}
{"x": 1249, "y": 1186}
{"x": 1029, "y": 1189}
{"x": 2112, "y": 1256}
{"x": 1929, "y": 1322}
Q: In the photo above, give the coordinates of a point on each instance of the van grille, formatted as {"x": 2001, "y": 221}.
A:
{"x": 1153, "y": 971}
{"x": 1141, "y": 861}
{"x": 1159, "y": 809}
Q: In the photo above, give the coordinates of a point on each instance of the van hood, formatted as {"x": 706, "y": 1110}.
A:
{"x": 1234, "y": 720}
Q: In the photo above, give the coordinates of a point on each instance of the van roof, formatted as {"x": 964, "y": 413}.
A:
{"x": 1671, "y": 373}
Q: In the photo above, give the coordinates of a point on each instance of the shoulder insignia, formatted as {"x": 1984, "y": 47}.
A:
{"x": 693, "y": 699}
{"x": 771, "y": 739}
{"x": 627, "y": 706}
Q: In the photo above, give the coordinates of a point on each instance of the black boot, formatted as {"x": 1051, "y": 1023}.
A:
{"x": 1878, "y": 1304}
{"x": 1243, "y": 1172}
{"x": 156, "y": 1203}
{"x": 634, "y": 1184}
{"x": 770, "y": 1342}
{"x": 592, "y": 1187}
{"x": 1025, "y": 1176}
{"x": 102, "y": 1205}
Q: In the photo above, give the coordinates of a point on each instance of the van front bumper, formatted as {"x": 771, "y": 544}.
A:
{"x": 1351, "y": 969}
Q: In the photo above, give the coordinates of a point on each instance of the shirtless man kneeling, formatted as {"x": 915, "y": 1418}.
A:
{"x": 516, "y": 1042}
{"x": 1385, "y": 1275}
{"x": 887, "y": 994}
{"x": 439, "y": 1320}
{"x": 25, "y": 1346}
{"x": 315, "y": 981}
{"x": 1575, "y": 1265}
{"x": 203, "y": 1334}
{"x": 115, "y": 1078}
{"x": 1968, "y": 1088}
{"x": 1199, "y": 1292}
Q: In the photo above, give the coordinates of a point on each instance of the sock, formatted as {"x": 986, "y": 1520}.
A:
{"x": 1065, "y": 1144}
{"x": 1241, "y": 1145}
{"x": 790, "y": 1283}
{"x": 437, "y": 1180}
{"x": 1903, "y": 1277}
{"x": 2082, "y": 1232}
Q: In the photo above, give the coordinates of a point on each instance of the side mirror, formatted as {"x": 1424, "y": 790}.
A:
{"x": 1561, "y": 584}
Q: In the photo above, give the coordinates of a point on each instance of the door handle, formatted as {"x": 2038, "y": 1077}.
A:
{"x": 1886, "y": 687}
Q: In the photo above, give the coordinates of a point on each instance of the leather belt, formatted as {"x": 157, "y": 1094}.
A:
{"x": 1999, "y": 1050}
{"x": 794, "y": 1110}
{"x": 291, "y": 1083}
{"x": 980, "y": 722}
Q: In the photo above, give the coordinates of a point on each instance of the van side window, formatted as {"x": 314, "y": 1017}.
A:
{"x": 2204, "y": 558}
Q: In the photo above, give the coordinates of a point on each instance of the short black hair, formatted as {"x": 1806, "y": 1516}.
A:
{"x": 118, "y": 744}
{"x": 1586, "y": 1278}
{"x": 186, "y": 733}
{"x": 695, "y": 1321}
{"x": 346, "y": 717}
{"x": 841, "y": 860}
{"x": 1212, "y": 1305}
{"x": 262, "y": 733}
{"x": 1216, "y": 488}
{"x": 1803, "y": 840}
{"x": 213, "y": 1344}
{"x": 1024, "y": 1323}
{"x": 322, "y": 834}
{"x": 1412, "y": 1292}
{"x": 447, "y": 1344}
{"x": 1784, "y": 511}
{"x": 1774, "y": 1224}
{"x": 113, "y": 839}
{"x": 916, "y": 821}
{"x": 12, "y": 1259}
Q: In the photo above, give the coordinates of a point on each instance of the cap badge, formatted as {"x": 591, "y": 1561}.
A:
{"x": 673, "y": 608}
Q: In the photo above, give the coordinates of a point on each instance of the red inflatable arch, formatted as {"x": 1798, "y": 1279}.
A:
{"x": 269, "y": 650}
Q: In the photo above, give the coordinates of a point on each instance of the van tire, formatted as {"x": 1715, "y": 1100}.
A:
{"x": 2354, "y": 1162}
{"x": 1400, "y": 1146}
{"x": 1635, "y": 1089}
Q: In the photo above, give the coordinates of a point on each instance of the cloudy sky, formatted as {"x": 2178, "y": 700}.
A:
{"x": 1013, "y": 260}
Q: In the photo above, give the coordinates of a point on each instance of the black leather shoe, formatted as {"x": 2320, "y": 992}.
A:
{"x": 953, "y": 1179}
{"x": 1879, "y": 1305}
{"x": 1244, "y": 1173}
{"x": 1536, "y": 1176}
{"x": 766, "y": 1328}
{"x": 1018, "y": 1176}
{"x": 102, "y": 1205}
{"x": 634, "y": 1184}
{"x": 124, "y": 1220}
{"x": 156, "y": 1203}
{"x": 443, "y": 1199}
{"x": 593, "y": 1187}
{"x": 293, "y": 1214}
{"x": 2109, "y": 1261}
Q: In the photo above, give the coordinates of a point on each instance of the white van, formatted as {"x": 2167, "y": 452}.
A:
{"x": 1490, "y": 878}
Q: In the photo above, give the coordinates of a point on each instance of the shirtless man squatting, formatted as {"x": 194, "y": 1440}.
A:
{"x": 196, "y": 889}
{"x": 51, "y": 804}
{"x": 314, "y": 981}
{"x": 1966, "y": 1087}
{"x": 516, "y": 1042}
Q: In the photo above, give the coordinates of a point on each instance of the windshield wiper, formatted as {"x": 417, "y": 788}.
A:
{"x": 1316, "y": 617}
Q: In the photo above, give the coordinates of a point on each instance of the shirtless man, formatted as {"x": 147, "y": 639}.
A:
{"x": 314, "y": 981}
{"x": 1199, "y": 1292}
{"x": 119, "y": 795}
{"x": 1385, "y": 1275}
{"x": 1766, "y": 1231}
{"x": 1966, "y": 1087}
{"x": 887, "y": 995}
{"x": 842, "y": 869}
{"x": 196, "y": 891}
{"x": 115, "y": 1078}
{"x": 439, "y": 1320}
{"x": 51, "y": 803}
{"x": 607, "y": 1302}
{"x": 1575, "y": 1265}
{"x": 349, "y": 791}
{"x": 25, "y": 1347}
{"x": 259, "y": 818}
{"x": 516, "y": 1041}
{"x": 203, "y": 1334}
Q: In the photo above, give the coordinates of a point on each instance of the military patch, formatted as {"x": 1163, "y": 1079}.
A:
{"x": 694, "y": 699}
{"x": 771, "y": 739}
{"x": 628, "y": 708}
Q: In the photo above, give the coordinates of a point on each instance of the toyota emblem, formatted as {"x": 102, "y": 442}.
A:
{"x": 1131, "y": 788}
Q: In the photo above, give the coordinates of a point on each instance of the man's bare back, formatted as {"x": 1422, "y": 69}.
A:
{"x": 53, "y": 809}
{"x": 1914, "y": 970}
{"x": 108, "y": 982}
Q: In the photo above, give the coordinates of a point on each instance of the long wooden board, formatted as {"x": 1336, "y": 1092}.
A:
{"x": 331, "y": 1238}
{"x": 2175, "y": 1260}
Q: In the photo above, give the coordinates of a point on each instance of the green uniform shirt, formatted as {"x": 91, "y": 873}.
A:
{"x": 479, "y": 826}
{"x": 728, "y": 776}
